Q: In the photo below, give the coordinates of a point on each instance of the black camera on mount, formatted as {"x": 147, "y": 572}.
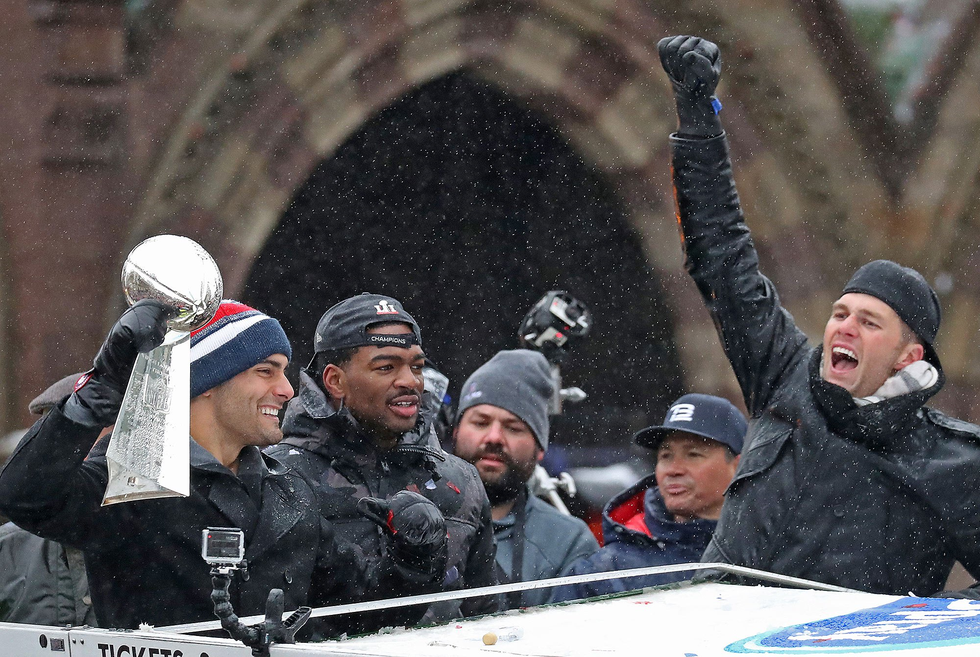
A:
{"x": 556, "y": 318}
{"x": 547, "y": 327}
{"x": 223, "y": 547}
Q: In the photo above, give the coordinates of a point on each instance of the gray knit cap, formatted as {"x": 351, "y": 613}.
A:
{"x": 518, "y": 381}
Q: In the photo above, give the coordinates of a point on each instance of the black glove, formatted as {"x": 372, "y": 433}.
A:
{"x": 416, "y": 532}
{"x": 693, "y": 66}
{"x": 139, "y": 330}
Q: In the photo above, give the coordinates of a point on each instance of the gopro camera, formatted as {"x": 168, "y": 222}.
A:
{"x": 223, "y": 547}
{"x": 551, "y": 322}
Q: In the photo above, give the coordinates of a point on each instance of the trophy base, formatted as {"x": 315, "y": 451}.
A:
{"x": 127, "y": 486}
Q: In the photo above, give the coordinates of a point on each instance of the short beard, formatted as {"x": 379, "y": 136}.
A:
{"x": 510, "y": 483}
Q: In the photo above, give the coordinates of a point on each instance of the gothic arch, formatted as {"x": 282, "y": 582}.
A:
{"x": 283, "y": 84}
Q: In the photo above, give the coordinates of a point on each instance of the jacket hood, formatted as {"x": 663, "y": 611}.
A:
{"x": 645, "y": 496}
{"x": 311, "y": 419}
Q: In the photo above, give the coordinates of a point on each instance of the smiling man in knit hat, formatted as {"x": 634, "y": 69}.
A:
{"x": 847, "y": 477}
{"x": 502, "y": 428}
{"x": 144, "y": 557}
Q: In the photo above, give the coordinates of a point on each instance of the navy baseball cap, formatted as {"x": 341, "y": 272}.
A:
{"x": 703, "y": 415}
{"x": 346, "y": 324}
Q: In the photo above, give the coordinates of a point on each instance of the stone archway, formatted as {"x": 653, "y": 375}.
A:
{"x": 307, "y": 76}
{"x": 277, "y": 87}
{"x": 202, "y": 117}
{"x": 467, "y": 207}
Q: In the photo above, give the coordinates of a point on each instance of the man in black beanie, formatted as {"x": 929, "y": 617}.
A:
{"x": 502, "y": 429}
{"x": 846, "y": 477}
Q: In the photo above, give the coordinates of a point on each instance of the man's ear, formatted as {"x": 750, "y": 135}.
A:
{"x": 334, "y": 381}
{"x": 913, "y": 353}
{"x": 540, "y": 454}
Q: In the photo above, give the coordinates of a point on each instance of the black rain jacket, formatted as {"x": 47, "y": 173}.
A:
{"x": 328, "y": 448}
{"x": 880, "y": 498}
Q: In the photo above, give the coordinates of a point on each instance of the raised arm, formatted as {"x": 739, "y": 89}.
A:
{"x": 759, "y": 336}
{"x": 48, "y": 487}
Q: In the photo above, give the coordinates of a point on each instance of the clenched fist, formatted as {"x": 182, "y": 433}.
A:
{"x": 98, "y": 397}
{"x": 693, "y": 66}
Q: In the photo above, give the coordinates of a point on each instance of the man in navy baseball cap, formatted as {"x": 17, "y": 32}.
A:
{"x": 706, "y": 416}
{"x": 668, "y": 517}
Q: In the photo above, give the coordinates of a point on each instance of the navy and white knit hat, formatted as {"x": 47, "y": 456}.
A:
{"x": 237, "y": 337}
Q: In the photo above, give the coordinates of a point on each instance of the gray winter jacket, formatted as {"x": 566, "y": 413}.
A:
{"x": 881, "y": 498}
{"x": 552, "y": 542}
{"x": 42, "y": 582}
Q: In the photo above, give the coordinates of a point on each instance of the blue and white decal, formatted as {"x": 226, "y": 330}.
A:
{"x": 904, "y": 624}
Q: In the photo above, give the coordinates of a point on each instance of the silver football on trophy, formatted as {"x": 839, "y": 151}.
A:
{"x": 178, "y": 272}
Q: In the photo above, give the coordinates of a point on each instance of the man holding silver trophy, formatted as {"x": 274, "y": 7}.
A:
{"x": 144, "y": 556}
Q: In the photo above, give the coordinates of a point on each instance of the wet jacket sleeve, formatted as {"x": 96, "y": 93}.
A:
{"x": 759, "y": 336}
{"x": 49, "y": 488}
{"x": 481, "y": 567}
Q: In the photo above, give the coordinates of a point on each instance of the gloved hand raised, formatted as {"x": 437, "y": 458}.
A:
{"x": 416, "y": 532}
{"x": 139, "y": 330}
{"x": 693, "y": 66}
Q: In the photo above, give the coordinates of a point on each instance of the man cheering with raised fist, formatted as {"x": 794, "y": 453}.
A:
{"x": 846, "y": 478}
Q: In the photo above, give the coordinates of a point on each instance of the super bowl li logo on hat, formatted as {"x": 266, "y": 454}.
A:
{"x": 385, "y": 308}
{"x": 681, "y": 413}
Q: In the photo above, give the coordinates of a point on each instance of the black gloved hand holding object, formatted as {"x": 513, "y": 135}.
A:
{"x": 140, "y": 329}
{"x": 416, "y": 532}
{"x": 694, "y": 66}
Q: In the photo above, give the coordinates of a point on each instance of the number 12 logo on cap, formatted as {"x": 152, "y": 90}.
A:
{"x": 681, "y": 413}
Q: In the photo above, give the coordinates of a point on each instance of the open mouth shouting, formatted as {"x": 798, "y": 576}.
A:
{"x": 842, "y": 359}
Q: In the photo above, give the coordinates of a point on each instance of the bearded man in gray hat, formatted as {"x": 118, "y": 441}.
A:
{"x": 502, "y": 428}
{"x": 846, "y": 478}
